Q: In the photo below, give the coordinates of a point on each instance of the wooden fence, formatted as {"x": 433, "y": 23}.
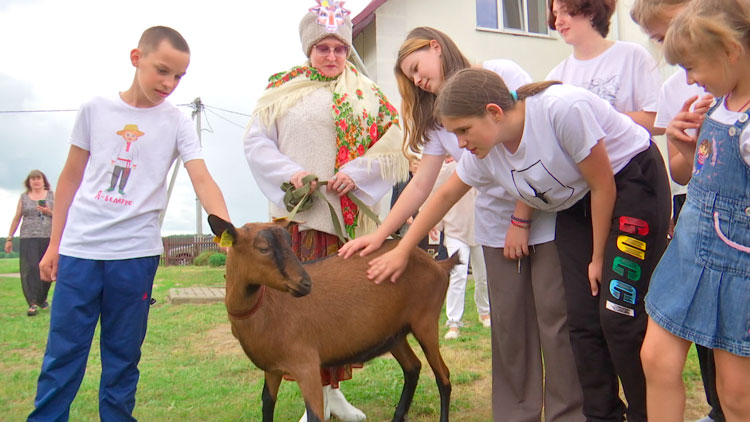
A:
{"x": 182, "y": 250}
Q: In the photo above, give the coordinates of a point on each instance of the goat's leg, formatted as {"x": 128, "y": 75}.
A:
{"x": 270, "y": 391}
{"x": 426, "y": 334}
{"x": 312, "y": 392}
{"x": 411, "y": 366}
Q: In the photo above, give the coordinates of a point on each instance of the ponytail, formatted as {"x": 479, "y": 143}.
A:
{"x": 529, "y": 90}
{"x": 468, "y": 92}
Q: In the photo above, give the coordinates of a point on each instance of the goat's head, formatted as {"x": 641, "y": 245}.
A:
{"x": 261, "y": 253}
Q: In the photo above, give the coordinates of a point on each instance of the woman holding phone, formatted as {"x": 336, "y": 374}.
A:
{"x": 35, "y": 209}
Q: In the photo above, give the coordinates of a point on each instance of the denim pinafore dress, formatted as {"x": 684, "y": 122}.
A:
{"x": 700, "y": 291}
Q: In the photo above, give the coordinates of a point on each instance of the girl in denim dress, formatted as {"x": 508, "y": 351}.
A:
{"x": 700, "y": 291}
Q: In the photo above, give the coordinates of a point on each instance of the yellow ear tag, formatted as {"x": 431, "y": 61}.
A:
{"x": 226, "y": 240}
{"x": 216, "y": 239}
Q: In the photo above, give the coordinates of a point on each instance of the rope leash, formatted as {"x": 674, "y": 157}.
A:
{"x": 301, "y": 199}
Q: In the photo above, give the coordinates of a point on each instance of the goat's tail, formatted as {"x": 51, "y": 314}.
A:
{"x": 448, "y": 264}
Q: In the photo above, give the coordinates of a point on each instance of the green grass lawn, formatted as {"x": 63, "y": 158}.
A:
{"x": 194, "y": 370}
{"x": 8, "y": 265}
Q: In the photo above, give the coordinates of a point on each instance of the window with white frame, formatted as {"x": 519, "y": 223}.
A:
{"x": 529, "y": 16}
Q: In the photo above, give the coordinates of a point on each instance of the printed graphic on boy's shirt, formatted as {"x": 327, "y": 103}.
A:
{"x": 705, "y": 150}
{"x": 605, "y": 89}
{"x": 124, "y": 158}
{"x": 540, "y": 188}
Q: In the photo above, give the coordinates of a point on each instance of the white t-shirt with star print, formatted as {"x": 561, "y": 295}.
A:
{"x": 562, "y": 124}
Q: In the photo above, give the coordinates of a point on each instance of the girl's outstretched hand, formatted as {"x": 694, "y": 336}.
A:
{"x": 388, "y": 266}
{"x": 368, "y": 243}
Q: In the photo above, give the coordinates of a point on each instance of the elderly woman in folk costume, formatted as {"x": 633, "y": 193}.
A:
{"x": 325, "y": 121}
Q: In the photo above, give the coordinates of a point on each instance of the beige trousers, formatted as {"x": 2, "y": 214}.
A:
{"x": 529, "y": 327}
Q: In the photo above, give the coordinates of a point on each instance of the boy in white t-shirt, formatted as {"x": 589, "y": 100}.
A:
{"x": 622, "y": 73}
{"x": 104, "y": 248}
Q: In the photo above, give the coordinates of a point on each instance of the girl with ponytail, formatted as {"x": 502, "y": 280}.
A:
{"x": 560, "y": 148}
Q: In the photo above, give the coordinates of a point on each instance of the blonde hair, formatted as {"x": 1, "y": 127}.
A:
{"x": 417, "y": 105}
{"x": 646, "y": 12}
{"x": 708, "y": 28}
{"x": 469, "y": 91}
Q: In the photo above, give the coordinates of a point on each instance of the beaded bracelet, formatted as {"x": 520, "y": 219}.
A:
{"x": 524, "y": 226}
{"x": 520, "y": 220}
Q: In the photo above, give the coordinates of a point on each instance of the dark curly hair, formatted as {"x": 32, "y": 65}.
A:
{"x": 599, "y": 11}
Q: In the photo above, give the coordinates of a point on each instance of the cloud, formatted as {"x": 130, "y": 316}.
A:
{"x": 29, "y": 140}
{"x": 9, "y": 201}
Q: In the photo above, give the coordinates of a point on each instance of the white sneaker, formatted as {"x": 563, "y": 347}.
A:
{"x": 485, "y": 320}
{"x": 706, "y": 419}
{"x": 452, "y": 333}
{"x": 340, "y": 408}
{"x": 326, "y": 408}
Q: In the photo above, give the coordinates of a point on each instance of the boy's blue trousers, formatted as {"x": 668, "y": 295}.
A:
{"x": 118, "y": 292}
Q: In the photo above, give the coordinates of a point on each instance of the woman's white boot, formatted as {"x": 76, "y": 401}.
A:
{"x": 334, "y": 403}
{"x": 340, "y": 408}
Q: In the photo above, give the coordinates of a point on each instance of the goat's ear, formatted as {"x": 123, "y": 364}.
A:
{"x": 219, "y": 226}
{"x": 281, "y": 221}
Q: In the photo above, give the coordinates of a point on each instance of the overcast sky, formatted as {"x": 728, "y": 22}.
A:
{"x": 58, "y": 54}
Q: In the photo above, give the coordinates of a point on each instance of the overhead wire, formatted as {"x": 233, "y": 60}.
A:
{"x": 228, "y": 111}
{"x": 205, "y": 116}
{"x": 192, "y": 105}
{"x": 225, "y": 119}
{"x": 36, "y": 111}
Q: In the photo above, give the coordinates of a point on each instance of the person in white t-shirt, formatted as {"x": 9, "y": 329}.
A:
{"x": 561, "y": 148}
{"x": 623, "y": 73}
{"x": 458, "y": 228}
{"x": 104, "y": 247}
{"x": 532, "y": 360}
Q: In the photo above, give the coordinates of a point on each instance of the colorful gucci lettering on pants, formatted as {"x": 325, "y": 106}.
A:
{"x": 630, "y": 254}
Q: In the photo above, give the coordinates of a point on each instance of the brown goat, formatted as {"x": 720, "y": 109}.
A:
{"x": 343, "y": 318}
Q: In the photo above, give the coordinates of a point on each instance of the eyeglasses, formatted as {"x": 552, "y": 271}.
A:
{"x": 338, "y": 51}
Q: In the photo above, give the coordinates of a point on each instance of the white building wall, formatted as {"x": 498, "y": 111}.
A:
{"x": 396, "y": 18}
{"x": 457, "y": 18}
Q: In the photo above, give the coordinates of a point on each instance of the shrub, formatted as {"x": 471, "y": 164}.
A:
{"x": 217, "y": 260}
{"x": 202, "y": 259}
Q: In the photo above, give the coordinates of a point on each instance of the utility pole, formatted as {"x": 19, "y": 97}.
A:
{"x": 197, "y": 111}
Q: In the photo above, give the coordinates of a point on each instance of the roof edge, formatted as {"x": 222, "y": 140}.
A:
{"x": 360, "y": 22}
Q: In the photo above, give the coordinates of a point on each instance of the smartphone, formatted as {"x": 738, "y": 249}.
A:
{"x": 42, "y": 203}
